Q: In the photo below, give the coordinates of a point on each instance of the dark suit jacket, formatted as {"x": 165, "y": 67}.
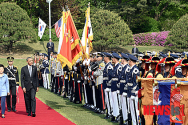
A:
{"x": 52, "y": 47}
{"x": 26, "y": 80}
{"x": 136, "y": 50}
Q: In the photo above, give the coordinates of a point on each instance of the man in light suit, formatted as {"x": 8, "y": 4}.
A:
{"x": 50, "y": 46}
{"x": 135, "y": 50}
{"x": 30, "y": 85}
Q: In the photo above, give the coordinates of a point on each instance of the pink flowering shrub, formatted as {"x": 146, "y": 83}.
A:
{"x": 151, "y": 39}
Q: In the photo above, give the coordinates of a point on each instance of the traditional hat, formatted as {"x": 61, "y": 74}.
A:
{"x": 184, "y": 62}
{"x": 145, "y": 58}
{"x": 169, "y": 60}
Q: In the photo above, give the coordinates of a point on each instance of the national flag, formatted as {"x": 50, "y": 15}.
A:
{"x": 62, "y": 30}
{"x": 58, "y": 25}
{"x": 87, "y": 35}
{"x": 69, "y": 51}
{"x": 41, "y": 28}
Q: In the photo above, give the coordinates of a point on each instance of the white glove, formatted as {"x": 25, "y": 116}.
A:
{"x": 17, "y": 88}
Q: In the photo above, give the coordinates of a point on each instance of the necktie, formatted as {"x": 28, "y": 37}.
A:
{"x": 30, "y": 70}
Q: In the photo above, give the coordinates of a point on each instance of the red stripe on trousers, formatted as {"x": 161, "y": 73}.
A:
{"x": 79, "y": 90}
{"x": 102, "y": 97}
{"x": 58, "y": 82}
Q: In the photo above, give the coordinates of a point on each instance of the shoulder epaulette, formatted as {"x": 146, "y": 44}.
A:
{"x": 16, "y": 67}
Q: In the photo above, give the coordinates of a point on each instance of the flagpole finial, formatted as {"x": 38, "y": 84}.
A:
{"x": 63, "y": 8}
{"x": 67, "y": 7}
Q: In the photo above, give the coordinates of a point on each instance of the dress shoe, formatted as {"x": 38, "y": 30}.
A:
{"x": 33, "y": 114}
{"x": 29, "y": 114}
{"x": 3, "y": 116}
{"x": 14, "y": 110}
{"x": 112, "y": 119}
{"x": 9, "y": 110}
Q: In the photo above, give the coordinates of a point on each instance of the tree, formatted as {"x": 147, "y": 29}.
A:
{"x": 109, "y": 31}
{"x": 178, "y": 37}
{"x": 15, "y": 25}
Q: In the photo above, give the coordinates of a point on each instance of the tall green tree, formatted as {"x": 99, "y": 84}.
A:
{"x": 110, "y": 31}
{"x": 178, "y": 36}
{"x": 15, "y": 25}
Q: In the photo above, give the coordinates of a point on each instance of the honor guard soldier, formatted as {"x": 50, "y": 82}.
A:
{"x": 41, "y": 58}
{"x": 144, "y": 71}
{"x": 153, "y": 63}
{"x": 93, "y": 67}
{"x": 181, "y": 71}
{"x": 66, "y": 80}
{"x": 169, "y": 63}
{"x": 50, "y": 67}
{"x": 116, "y": 74}
{"x": 132, "y": 92}
{"x": 98, "y": 74}
{"x": 53, "y": 67}
{"x": 106, "y": 85}
{"x": 45, "y": 72}
{"x": 12, "y": 73}
{"x": 57, "y": 76}
{"x": 78, "y": 84}
{"x": 123, "y": 89}
{"x": 87, "y": 95}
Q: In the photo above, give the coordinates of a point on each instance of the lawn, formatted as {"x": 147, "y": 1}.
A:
{"x": 23, "y": 49}
{"x": 74, "y": 112}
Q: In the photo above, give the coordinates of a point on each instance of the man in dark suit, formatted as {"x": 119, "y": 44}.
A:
{"x": 30, "y": 85}
{"x": 50, "y": 46}
{"x": 135, "y": 50}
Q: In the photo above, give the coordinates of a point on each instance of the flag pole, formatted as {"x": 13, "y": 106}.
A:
{"x": 89, "y": 15}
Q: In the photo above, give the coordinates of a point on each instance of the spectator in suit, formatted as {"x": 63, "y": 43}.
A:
{"x": 50, "y": 46}
{"x": 135, "y": 50}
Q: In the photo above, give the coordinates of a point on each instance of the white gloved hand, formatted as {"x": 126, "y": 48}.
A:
{"x": 17, "y": 88}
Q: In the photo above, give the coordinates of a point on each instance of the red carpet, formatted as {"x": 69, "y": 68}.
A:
{"x": 44, "y": 115}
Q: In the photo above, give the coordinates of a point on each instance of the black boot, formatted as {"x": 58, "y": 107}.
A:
{"x": 121, "y": 120}
{"x": 107, "y": 116}
{"x": 113, "y": 119}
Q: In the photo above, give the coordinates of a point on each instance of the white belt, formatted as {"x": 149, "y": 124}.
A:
{"x": 11, "y": 79}
{"x": 105, "y": 78}
{"x": 122, "y": 81}
{"x": 114, "y": 79}
{"x": 130, "y": 84}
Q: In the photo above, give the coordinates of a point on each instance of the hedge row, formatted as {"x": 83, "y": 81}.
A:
{"x": 151, "y": 39}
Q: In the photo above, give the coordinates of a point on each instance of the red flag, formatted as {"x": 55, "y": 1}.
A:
{"x": 65, "y": 50}
{"x": 70, "y": 50}
{"x": 75, "y": 47}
